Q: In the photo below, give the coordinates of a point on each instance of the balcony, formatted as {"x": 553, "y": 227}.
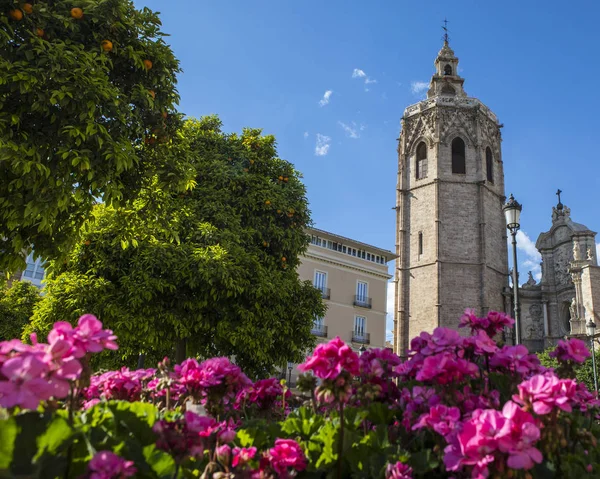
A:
{"x": 362, "y": 301}
{"x": 325, "y": 292}
{"x": 362, "y": 338}
{"x": 319, "y": 330}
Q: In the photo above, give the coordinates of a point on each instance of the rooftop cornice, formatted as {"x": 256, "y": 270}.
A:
{"x": 452, "y": 101}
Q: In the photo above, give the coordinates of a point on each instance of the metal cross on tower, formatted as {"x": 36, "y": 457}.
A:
{"x": 445, "y": 28}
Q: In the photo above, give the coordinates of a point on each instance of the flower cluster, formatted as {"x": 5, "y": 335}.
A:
{"x": 215, "y": 383}
{"x": 492, "y": 324}
{"x": 264, "y": 394}
{"x": 30, "y": 374}
{"x": 398, "y": 471}
{"x": 107, "y": 465}
{"x": 573, "y": 350}
{"x": 330, "y": 359}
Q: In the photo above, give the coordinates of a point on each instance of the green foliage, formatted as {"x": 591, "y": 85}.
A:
{"x": 215, "y": 265}
{"x": 78, "y": 120}
{"x": 583, "y": 372}
{"x": 16, "y": 308}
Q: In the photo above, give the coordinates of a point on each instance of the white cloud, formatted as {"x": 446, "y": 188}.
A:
{"x": 528, "y": 255}
{"x": 358, "y": 73}
{"x": 389, "y": 320}
{"x": 352, "y": 130}
{"x": 418, "y": 87}
{"x": 305, "y": 135}
{"x": 326, "y": 96}
{"x": 323, "y": 144}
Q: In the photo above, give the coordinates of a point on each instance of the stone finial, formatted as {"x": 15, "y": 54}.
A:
{"x": 589, "y": 255}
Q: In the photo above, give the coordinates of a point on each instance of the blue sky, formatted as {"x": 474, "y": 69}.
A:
{"x": 269, "y": 64}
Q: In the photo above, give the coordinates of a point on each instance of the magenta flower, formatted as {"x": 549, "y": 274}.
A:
{"x": 492, "y": 324}
{"x": 572, "y": 349}
{"x": 91, "y": 337}
{"x": 444, "y": 369}
{"x": 544, "y": 392}
{"x": 242, "y": 456}
{"x": 440, "y": 418}
{"x": 516, "y": 359}
{"x": 107, "y": 465}
{"x": 398, "y": 471}
{"x": 523, "y": 433}
{"x": 285, "y": 455}
{"x": 25, "y": 383}
{"x": 330, "y": 359}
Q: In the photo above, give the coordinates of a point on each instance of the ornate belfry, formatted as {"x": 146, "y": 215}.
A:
{"x": 451, "y": 233}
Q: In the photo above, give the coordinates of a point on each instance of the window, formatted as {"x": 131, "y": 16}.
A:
{"x": 448, "y": 70}
{"x": 368, "y": 256}
{"x": 489, "y": 164}
{"x": 458, "y": 156}
{"x": 343, "y": 249}
{"x": 319, "y": 323}
{"x": 34, "y": 270}
{"x": 360, "y": 326}
{"x": 420, "y": 243}
{"x": 421, "y": 161}
{"x": 320, "y": 280}
{"x": 362, "y": 290}
{"x": 353, "y": 252}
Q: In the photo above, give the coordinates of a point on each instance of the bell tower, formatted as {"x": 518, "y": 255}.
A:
{"x": 450, "y": 229}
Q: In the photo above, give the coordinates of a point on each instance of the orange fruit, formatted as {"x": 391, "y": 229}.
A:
{"x": 87, "y": 242}
{"x": 107, "y": 45}
{"x": 28, "y": 8}
{"x": 267, "y": 202}
{"x": 279, "y": 211}
{"x": 148, "y": 64}
{"x": 39, "y": 32}
{"x": 251, "y": 162}
{"x": 77, "y": 13}
{"x": 229, "y": 159}
{"x": 246, "y": 170}
{"x": 285, "y": 178}
{"x": 280, "y": 178}
{"x": 283, "y": 259}
{"x": 164, "y": 114}
{"x": 265, "y": 244}
{"x": 290, "y": 215}
{"x": 16, "y": 15}
{"x": 152, "y": 94}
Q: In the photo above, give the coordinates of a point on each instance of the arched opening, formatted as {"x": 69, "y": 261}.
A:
{"x": 448, "y": 70}
{"x": 421, "y": 161}
{"x": 448, "y": 90}
{"x": 420, "y": 243}
{"x": 489, "y": 164}
{"x": 458, "y": 156}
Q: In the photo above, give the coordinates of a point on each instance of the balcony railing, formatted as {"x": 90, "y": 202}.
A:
{"x": 319, "y": 330}
{"x": 325, "y": 292}
{"x": 362, "y": 301}
{"x": 363, "y": 338}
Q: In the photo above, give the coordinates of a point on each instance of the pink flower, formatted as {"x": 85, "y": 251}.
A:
{"x": 91, "y": 337}
{"x": 330, "y": 359}
{"x": 480, "y": 343}
{"x": 286, "y": 454}
{"x": 264, "y": 394}
{"x": 440, "y": 418}
{"x": 398, "y": 471}
{"x": 107, "y": 465}
{"x": 516, "y": 359}
{"x": 444, "y": 369}
{"x": 571, "y": 350}
{"x": 25, "y": 383}
{"x": 224, "y": 453}
{"x": 544, "y": 392}
{"x": 492, "y": 324}
{"x": 523, "y": 433}
{"x": 242, "y": 456}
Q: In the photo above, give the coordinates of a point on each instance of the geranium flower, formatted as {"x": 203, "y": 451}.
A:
{"x": 330, "y": 359}
{"x": 25, "y": 383}
{"x": 572, "y": 349}
{"x": 398, "y": 471}
{"x": 285, "y": 455}
{"x": 107, "y": 465}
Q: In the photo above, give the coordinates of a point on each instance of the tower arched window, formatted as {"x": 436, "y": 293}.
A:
{"x": 458, "y": 156}
{"x": 489, "y": 164}
{"x": 421, "y": 161}
{"x": 447, "y": 70}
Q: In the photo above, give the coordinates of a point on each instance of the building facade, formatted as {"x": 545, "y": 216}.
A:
{"x": 450, "y": 229}
{"x": 353, "y": 279}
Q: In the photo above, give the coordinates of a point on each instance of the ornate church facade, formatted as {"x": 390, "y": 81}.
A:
{"x": 451, "y": 236}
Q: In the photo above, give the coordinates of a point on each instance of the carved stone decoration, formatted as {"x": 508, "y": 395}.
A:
{"x": 458, "y": 119}
{"x": 576, "y": 253}
{"x": 573, "y": 309}
{"x": 589, "y": 255}
{"x": 536, "y": 327}
{"x": 490, "y": 134}
{"x": 422, "y": 126}
{"x": 561, "y": 269}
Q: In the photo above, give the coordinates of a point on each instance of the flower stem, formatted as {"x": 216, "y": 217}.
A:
{"x": 341, "y": 442}
{"x": 176, "y": 473}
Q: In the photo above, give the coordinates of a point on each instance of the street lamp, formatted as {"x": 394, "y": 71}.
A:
{"x": 512, "y": 212}
{"x": 290, "y": 367}
{"x": 590, "y": 328}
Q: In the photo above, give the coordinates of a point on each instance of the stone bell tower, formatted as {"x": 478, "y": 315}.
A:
{"x": 451, "y": 231}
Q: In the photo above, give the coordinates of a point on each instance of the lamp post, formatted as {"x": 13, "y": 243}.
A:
{"x": 290, "y": 367}
{"x": 512, "y": 212}
{"x": 590, "y": 328}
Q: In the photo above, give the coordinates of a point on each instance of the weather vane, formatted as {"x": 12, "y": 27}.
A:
{"x": 445, "y": 28}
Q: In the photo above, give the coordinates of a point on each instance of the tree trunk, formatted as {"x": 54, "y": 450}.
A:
{"x": 180, "y": 351}
{"x": 141, "y": 359}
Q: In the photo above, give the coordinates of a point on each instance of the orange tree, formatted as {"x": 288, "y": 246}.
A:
{"x": 85, "y": 85}
{"x": 212, "y": 269}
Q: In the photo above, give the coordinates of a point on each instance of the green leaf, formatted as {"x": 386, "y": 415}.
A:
{"x": 8, "y": 434}
{"x": 57, "y": 433}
